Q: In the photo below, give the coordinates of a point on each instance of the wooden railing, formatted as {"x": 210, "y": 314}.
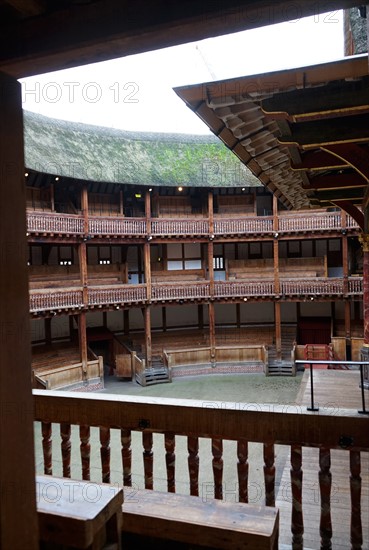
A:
{"x": 69, "y": 224}
{"x": 243, "y": 226}
{"x": 229, "y": 289}
{"x": 179, "y": 227}
{"x": 315, "y": 286}
{"x": 122, "y": 421}
{"x": 117, "y": 226}
{"x": 57, "y": 224}
{"x": 123, "y": 294}
{"x": 180, "y": 291}
{"x": 117, "y": 294}
{"x": 319, "y": 221}
{"x": 55, "y": 299}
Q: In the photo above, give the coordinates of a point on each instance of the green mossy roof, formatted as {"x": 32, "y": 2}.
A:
{"x": 95, "y": 153}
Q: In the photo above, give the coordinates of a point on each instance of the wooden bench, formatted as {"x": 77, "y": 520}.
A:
{"x": 178, "y": 275}
{"x": 78, "y": 514}
{"x": 195, "y": 521}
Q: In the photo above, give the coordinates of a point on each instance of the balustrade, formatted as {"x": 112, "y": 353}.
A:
{"x": 55, "y": 299}
{"x": 243, "y": 226}
{"x": 117, "y": 226}
{"x": 295, "y": 222}
{"x": 169, "y": 430}
{"x": 60, "y": 224}
{"x": 66, "y": 224}
{"x": 179, "y": 227}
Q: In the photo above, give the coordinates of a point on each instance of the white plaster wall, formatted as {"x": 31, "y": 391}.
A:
{"x": 225, "y": 314}
{"x": 60, "y": 327}
{"x": 181, "y": 316}
{"x": 258, "y": 312}
{"x": 37, "y": 329}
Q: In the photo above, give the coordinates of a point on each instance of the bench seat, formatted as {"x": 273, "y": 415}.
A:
{"x": 195, "y": 521}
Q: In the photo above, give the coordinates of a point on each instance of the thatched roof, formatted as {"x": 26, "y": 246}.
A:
{"x": 94, "y": 153}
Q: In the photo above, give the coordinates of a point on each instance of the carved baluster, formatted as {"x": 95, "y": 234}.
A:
{"x": 269, "y": 474}
{"x": 47, "y": 448}
{"x": 126, "y": 440}
{"x": 193, "y": 464}
{"x": 105, "y": 454}
{"x": 325, "y": 485}
{"x": 242, "y": 470}
{"x": 148, "y": 459}
{"x": 217, "y": 451}
{"x": 65, "y": 432}
{"x": 356, "y": 533}
{"x": 170, "y": 459}
{"x": 297, "y": 520}
{"x": 85, "y": 448}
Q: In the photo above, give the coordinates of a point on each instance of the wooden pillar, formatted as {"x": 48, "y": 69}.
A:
{"x": 238, "y": 315}
{"x": 18, "y": 516}
{"x": 148, "y": 350}
{"x": 47, "y": 323}
{"x": 211, "y": 267}
{"x": 82, "y": 258}
{"x": 278, "y": 331}
{"x": 364, "y": 240}
{"x": 344, "y": 245}
{"x": 147, "y": 267}
{"x": 52, "y": 197}
{"x": 211, "y": 213}
{"x": 212, "y": 342}
{"x": 121, "y": 203}
{"x": 148, "y": 213}
{"x": 84, "y": 208}
{"x": 82, "y": 338}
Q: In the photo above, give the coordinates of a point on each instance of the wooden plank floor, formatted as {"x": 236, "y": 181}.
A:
{"x": 333, "y": 390}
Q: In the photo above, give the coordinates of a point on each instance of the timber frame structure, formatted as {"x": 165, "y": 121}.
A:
{"x": 38, "y": 36}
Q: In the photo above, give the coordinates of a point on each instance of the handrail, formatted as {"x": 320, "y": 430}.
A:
{"x": 244, "y": 423}
{"x": 312, "y": 362}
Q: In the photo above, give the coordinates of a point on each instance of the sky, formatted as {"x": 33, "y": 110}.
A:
{"x": 136, "y": 92}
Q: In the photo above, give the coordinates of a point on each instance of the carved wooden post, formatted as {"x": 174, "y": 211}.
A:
{"x": 126, "y": 440}
{"x": 65, "y": 432}
{"x": 356, "y": 534}
{"x": 18, "y": 515}
{"x": 193, "y": 464}
{"x": 364, "y": 239}
{"x": 105, "y": 454}
{"x": 217, "y": 451}
{"x": 82, "y": 336}
{"x": 325, "y": 485}
{"x": 170, "y": 460}
{"x": 242, "y": 470}
{"x": 148, "y": 348}
{"x": 85, "y": 450}
{"x": 147, "y": 441}
{"x": 297, "y": 521}
{"x": 269, "y": 474}
{"x": 47, "y": 447}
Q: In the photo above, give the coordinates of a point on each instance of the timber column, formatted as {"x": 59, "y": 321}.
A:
{"x": 364, "y": 240}
{"x": 147, "y": 267}
{"x": 18, "y": 515}
{"x": 277, "y": 305}
{"x": 82, "y": 255}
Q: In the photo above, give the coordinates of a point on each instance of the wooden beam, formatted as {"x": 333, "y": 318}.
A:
{"x": 336, "y": 97}
{"x": 337, "y": 181}
{"x": 18, "y": 517}
{"x": 90, "y": 32}
{"x": 316, "y": 160}
{"x": 352, "y": 211}
{"x": 355, "y": 194}
{"x": 328, "y": 132}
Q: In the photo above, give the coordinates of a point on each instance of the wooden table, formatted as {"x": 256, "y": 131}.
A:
{"x": 78, "y": 514}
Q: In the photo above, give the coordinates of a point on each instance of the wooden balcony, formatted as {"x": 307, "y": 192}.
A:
{"x": 62, "y": 299}
{"x": 311, "y": 465}
{"x": 57, "y": 224}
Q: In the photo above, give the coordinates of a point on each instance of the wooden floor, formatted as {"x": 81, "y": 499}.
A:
{"x": 333, "y": 390}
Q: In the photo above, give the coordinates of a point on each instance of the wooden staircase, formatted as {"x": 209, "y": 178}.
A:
{"x": 157, "y": 373}
{"x": 284, "y": 365}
